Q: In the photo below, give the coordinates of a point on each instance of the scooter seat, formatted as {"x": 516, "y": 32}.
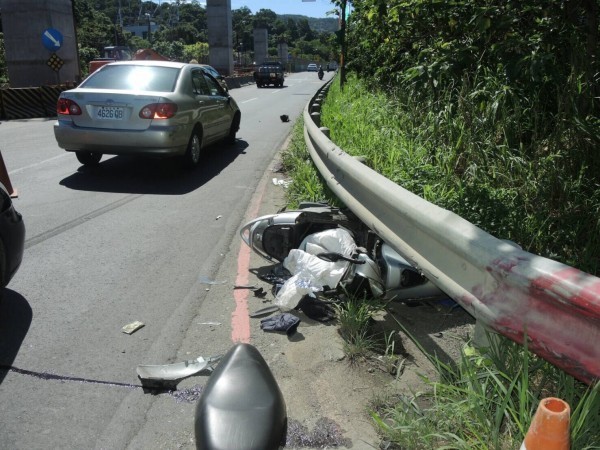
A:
{"x": 241, "y": 407}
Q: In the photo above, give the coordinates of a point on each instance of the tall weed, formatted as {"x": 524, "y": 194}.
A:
{"x": 481, "y": 151}
{"x": 487, "y": 401}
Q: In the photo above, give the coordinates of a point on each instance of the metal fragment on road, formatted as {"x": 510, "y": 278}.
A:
{"x": 175, "y": 371}
{"x": 265, "y": 311}
{"x": 244, "y": 286}
{"x": 132, "y": 327}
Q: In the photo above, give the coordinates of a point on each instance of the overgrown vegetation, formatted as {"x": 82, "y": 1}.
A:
{"x": 307, "y": 184}
{"x": 487, "y": 401}
{"x": 489, "y": 110}
{"x": 180, "y": 31}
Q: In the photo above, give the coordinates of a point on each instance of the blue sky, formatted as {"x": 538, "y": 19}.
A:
{"x": 314, "y": 8}
{"x": 317, "y": 8}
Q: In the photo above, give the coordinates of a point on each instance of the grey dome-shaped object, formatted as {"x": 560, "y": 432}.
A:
{"x": 241, "y": 406}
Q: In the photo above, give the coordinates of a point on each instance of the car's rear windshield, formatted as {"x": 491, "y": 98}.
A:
{"x": 132, "y": 77}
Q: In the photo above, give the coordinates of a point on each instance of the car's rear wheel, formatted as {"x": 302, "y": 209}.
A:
{"x": 233, "y": 129}
{"x": 194, "y": 150}
{"x": 88, "y": 158}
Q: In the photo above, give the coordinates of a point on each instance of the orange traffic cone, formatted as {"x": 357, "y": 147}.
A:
{"x": 549, "y": 429}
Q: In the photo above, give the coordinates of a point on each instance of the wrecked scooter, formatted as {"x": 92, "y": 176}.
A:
{"x": 375, "y": 267}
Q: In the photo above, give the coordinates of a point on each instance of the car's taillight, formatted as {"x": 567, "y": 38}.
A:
{"x": 67, "y": 107}
{"x": 158, "y": 111}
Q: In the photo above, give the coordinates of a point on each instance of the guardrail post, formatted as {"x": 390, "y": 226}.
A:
{"x": 483, "y": 337}
{"x": 326, "y": 131}
{"x": 316, "y": 117}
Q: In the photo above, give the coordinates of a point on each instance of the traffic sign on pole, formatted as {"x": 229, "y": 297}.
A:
{"x": 52, "y": 39}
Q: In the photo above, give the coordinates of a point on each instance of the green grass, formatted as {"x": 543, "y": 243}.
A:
{"x": 307, "y": 184}
{"x": 487, "y": 401}
{"x": 482, "y": 157}
{"x": 497, "y": 164}
{"x": 355, "y": 317}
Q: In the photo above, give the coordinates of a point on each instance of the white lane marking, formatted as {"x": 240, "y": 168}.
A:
{"x": 21, "y": 169}
{"x": 250, "y": 100}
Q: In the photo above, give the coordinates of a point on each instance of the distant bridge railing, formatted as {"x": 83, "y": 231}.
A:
{"x": 511, "y": 291}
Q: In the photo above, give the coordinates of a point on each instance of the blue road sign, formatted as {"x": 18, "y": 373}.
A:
{"x": 52, "y": 39}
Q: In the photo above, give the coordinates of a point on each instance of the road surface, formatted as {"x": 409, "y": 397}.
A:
{"x": 133, "y": 240}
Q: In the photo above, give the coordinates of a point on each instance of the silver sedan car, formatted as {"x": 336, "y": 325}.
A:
{"x": 160, "y": 108}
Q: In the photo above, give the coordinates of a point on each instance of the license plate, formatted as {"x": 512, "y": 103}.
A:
{"x": 110, "y": 112}
{"x": 273, "y": 75}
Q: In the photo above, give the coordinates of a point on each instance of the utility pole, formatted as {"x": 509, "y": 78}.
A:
{"x": 343, "y": 44}
{"x": 149, "y": 30}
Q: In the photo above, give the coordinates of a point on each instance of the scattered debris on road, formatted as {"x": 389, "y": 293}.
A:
{"x": 265, "y": 311}
{"x": 282, "y": 322}
{"x": 132, "y": 327}
{"x": 170, "y": 374}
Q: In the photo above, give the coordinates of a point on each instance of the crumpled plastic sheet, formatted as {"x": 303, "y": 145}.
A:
{"x": 311, "y": 274}
{"x": 337, "y": 240}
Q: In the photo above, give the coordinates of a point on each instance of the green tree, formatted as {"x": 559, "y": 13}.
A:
{"x": 265, "y": 18}
{"x": 184, "y": 32}
{"x": 242, "y": 24}
{"x": 197, "y": 51}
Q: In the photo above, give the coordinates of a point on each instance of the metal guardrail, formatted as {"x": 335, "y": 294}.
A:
{"x": 511, "y": 291}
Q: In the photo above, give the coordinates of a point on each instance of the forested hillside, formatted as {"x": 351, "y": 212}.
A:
{"x": 182, "y": 30}
{"x": 495, "y": 109}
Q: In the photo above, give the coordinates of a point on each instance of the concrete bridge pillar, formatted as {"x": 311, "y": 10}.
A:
{"x": 282, "y": 51}
{"x": 261, "y": 45}
{"x": 220, "y": 35}
{"x": 40, "y": 42}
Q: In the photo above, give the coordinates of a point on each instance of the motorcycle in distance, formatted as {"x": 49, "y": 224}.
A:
{"x": 321, "y": 73}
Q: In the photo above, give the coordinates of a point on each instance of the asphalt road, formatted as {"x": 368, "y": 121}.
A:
{"x": 134, "y": 240}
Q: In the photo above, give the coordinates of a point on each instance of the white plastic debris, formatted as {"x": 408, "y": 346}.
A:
{"x": 310, "y": 273}
{"x": 283, "y": 183}
{"x": 336, "y": 240}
